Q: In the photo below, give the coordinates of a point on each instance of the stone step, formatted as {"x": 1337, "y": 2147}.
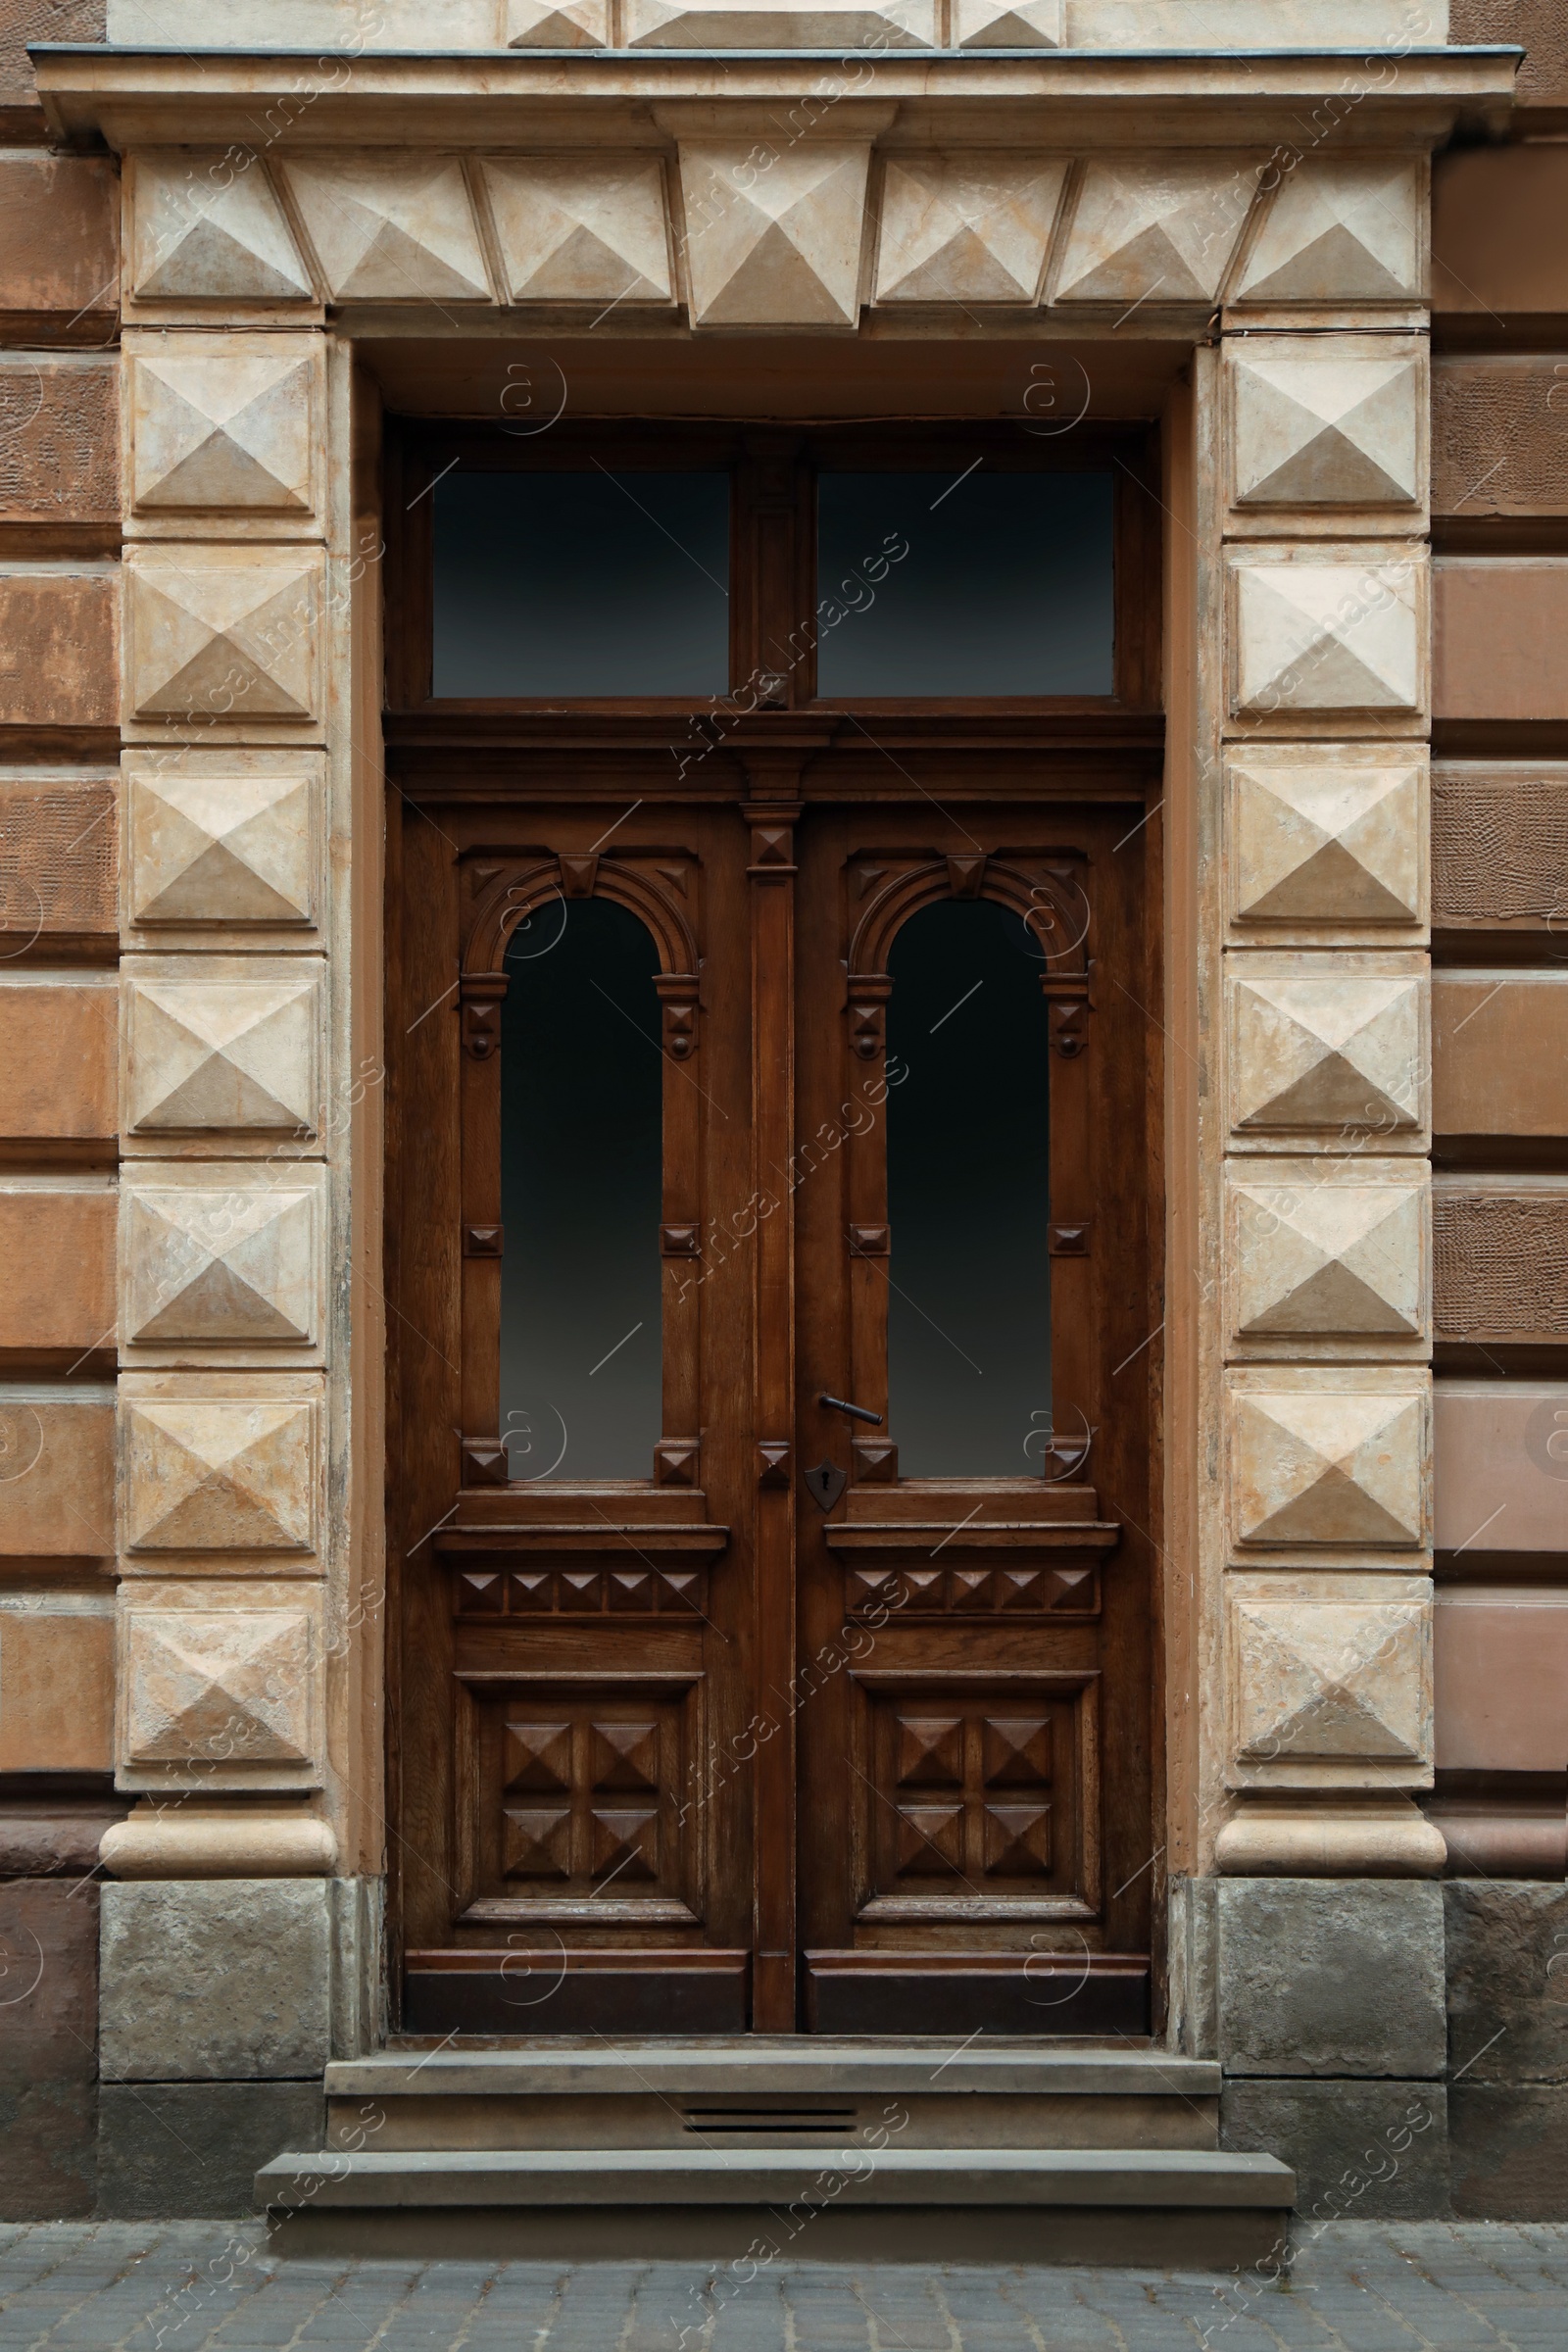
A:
{"x": 1197, "y": 2205}
{"x": 755, "y": 2094}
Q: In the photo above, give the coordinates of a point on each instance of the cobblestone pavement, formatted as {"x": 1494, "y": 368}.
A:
{"x": 1353, "y": 2287}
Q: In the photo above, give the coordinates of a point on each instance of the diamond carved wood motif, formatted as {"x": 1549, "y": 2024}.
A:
{"x": 635, "y": 1592}
{"x": 973, "y": 1592}
{"x": 580, "y": 1805}
{"x": 976, "y": 1798}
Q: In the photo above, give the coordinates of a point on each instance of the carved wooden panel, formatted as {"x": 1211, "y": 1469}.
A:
{"x": 577, "y": 1801}
{"x": 1498, "y": 445}
{"x": 1500, "y": 1252}
{"x": 971, "y": 1591}
{"x": 59, "y": 853}
{"x": 638, "y": 1591}
{"x": 1500, "y": 848}
{"x": 977, "y": 1794}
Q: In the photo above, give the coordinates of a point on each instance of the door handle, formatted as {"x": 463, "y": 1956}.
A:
{"x": 856, "y": 1412}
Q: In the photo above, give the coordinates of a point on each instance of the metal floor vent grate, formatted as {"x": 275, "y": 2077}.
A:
{"x": 820, "y": 2121}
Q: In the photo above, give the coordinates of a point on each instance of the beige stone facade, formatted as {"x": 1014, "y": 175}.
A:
{"x": 192, "y": 1065}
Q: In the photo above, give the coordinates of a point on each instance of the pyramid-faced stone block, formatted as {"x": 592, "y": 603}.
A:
{"x": 1319, "y": 634}
{"x": 204, "y": 230}
{"x": 1339, "y": 231}
{"x": 227, "y": 1688}
{"x": 774, "y": 248}
{"x": 223, "y": 1050}
{"x": 221, "y": 849}
{"x": 842, "y": 25}
{"x": 581, "y": 227}
{"x": 1325, "y": 1049}
{"x": 231, "y": 422}
{"x": 391, "y": 227}
{"x": 1330, "y": 1686}
{"x": 219, "y": 1473}
{"x": 1340, "y": 1462}
{"x": 220, "y": 633}
{"x": 1315, "y": 1260}
{"x": 970, "y": 228}
{"x": 993, "y": 24}
{"x": 1160, "y": 229}
{"x": 557, "y": 25}
{"x": 1326, "y": 839}
{"x": 232, "y": 1265}
{"x": 1325, "y": 432}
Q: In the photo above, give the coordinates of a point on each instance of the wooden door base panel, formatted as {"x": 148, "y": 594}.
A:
{"x": 554, "y": 1991}
{"x": 977, "y": 1992}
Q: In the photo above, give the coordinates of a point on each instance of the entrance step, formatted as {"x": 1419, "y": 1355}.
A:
{"x": 754, "y": 2091}
{"x": 854, "y": 2202}
{"x": 803, "y": 2148}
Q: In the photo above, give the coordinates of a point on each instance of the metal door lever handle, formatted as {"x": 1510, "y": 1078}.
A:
{"x": 856, "y": 1412}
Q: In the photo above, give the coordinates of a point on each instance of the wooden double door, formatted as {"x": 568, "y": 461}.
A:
{"x": 773, "y": 1345}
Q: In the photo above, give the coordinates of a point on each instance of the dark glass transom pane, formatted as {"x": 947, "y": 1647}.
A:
{"x": 581, "y": 1168}
{"x": 969, "y": 1194}
{"x": 954, "y": 584}
{"x": 582, "y": 583}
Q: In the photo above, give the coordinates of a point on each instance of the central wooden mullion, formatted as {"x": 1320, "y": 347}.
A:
{"x": 772, "y": 876}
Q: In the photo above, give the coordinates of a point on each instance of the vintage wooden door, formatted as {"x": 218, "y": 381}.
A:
{"x": 760, "y": 1088}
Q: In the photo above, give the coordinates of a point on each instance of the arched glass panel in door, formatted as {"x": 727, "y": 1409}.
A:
{"x": 968, "y": 1166}
{"x": 581, "y": 1159}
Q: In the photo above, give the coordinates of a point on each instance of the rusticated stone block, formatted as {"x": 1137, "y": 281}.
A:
{"x": 201, "y": 1982}
{"x": 1500, "y": 629}
{"x": 1499, "y": 846}
{"x": 1509, "y": 2151}
{"x": 1360, "y": 2151}
{"x": 1329, "y": 1046}
{"x": 223, "y": 1043}
{"x": 57, "y": 1472}
{"x": 582, "y": 228}
{"x": 391, "y": 227}
{"x": 1501, "y": 1258}
{"x": 1508, "y": 1947}
{"x": 1341, "y": 230}
{"x": 970, "y": 229}
{"x": 58, "y": 235}
{"x": 212, "y": 1269}
{"x": 1314, "y": 1258}
{"x": 58, "y": 438}
{"x": 1319, "y": 423}
{"x": 192, "y": 2150}
{"x": 57, "y": 1684}
{"x": 59, "y": 857}
{"x": 1331, "y": 1977}
{"x": 231, "y": 424}
{"x": 59, "y": 1049}
{"x": 1330, "y": 1457}
{"x": 1497, "y": 439}
{"x": 57, "y": 1241}
{"x": 233, "y": 1472}
{"x": 1159, "y": 227}
{"x": 232, "y": 1690}
{"x": 222, "y": 840}
{"x": 217, "y": 633}
{"x": 1501, "y": 1465}
{"x": 784, "y": 251}
{"x": 1538, "y": 25}
{"x": 1329, "y": 1682}
{"x": 27, "y": 21}
{"x": 59, "y": 627}
{"x": 1488, "y": 252}
{"x": 1324, "y": 841}
{"x": 1500, "y": 1053}
{"x": 1501, "y": 1679}
{"x": 1338, "y": 631}
{"x": 48, "y": 2049}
